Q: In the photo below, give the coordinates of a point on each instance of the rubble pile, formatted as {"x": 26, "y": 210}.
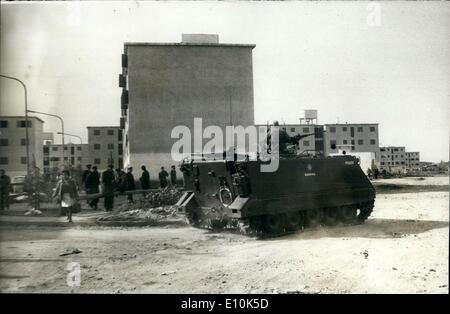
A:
{"x": 167, "y": 196}
{"x": 143, "y": 216}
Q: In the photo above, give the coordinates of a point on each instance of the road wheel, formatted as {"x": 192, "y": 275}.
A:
{"x": 331, "y": 216}
{"x": 313, "y": 217}
{"x": 273, "y": 223}
{"x": 294, "y": 221}
{"x": 256, "y": 223}
{"x": 217, "y": 224}
{"x": 347, "y": 214}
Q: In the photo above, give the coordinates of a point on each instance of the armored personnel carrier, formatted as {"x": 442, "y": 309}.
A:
{"x": 302, "y": 192}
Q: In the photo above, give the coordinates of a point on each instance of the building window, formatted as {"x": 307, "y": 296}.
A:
{"x": 344, "y": 142}
{"x": 66, "y": 158}
{"x": 120, "y": 135}
{"x": 372, "y": 129}
{"x": 360, "y": 142}
{"x": 353, "y": 147}
{"x": 395, "y": 149}
{"x": 46, "y": 150}
{"x": 110, "y": 132}
{"x": 23, "y": 141}
{"x": 372, "y": 142}
{"x": 120, "y": 149}
{"x": 46, "y": 163}
{"x": 97, "y": 146}
{"x": 54, "y": 159}
{"x": 3, "y": 142}
{"x": 110, "y": 146}
{"x": 332, "y": 129}
{"x": 65, "y": 147}
{"x": 382, "y": 149}
{"x": 97, "y": 161}
{"x": 401, "y": 156}
{"x": 54, "y": 149}
{"x": 96, "y": 132}
{"x": 332, "y": 144}
{"x": 344, "y": 129}
{"x": 292, "y": 129}
{"x": 3, "y": 124}
{"x": 382, "y": 163}
{"x": 3, "y": 160}
{"x": 360, "y": 129}
{"x": 305, "y": 143}
{"x": 305, "y": 130}
{"x": 21, "y": 124}
{"x": 23, "y": 160}
{"x": 353, "y": 142}
{"x": 79, "y": 158}
{"x": 79, "y": 148}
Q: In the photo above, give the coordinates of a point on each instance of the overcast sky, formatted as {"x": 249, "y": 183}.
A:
{"x": 308, "y": 55}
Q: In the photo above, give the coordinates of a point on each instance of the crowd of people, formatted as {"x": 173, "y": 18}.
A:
{"x": 94, "y": 183}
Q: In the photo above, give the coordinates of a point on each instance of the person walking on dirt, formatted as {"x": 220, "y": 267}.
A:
{"x": 5, "y": 188}
{"x": 108, "y": 187}
{"x": 163, "y": 178}
{"x": 66, "y": 193}
{"x": 92, "y": 186}
{"x": 131, "y": 186}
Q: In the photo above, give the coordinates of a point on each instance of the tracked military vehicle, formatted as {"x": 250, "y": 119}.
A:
{"x": 302, "y": 192}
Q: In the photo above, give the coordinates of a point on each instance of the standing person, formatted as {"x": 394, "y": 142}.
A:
{"x": 66, "y": 193}
{"x": 5, "y": 188}
{"x": 92, "y": 184}
{"x": 120, "y": 180}
{"x": 85, "y": 175}
{"x": 108, "y": 187}
{"x": 163, "y": 178}
{"x": 131, "y": 186}
{"x": 145, "y": 179}
{"x": 173, "y": 176}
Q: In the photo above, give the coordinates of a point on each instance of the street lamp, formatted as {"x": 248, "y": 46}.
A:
{"x": 26, "y": 119}
{"x": 81, "y": 141}
{"x": 62, "y": 126}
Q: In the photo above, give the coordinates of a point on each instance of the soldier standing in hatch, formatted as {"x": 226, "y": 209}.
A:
{"x": 163, "y": 178}
{"x": 108, "y": 187}
{"x": 173, "y": 176}
{"x": 131, "y": 186}
{"x": 145, "y": 179}
{"x": 5, "y": 186}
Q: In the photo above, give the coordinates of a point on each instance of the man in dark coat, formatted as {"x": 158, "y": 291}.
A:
{"x": 131, "y": 186}
{"x": 5, "y": 187}
{"x": 120, "y": 180}
{"x": 85, "y": 175}
{"x": 173, "y": 176}
{"x": 92, "y": 184}
{"x": 163, "y": 178}
{"x": 145, "y": 179}
{"x": 108, "y": 187}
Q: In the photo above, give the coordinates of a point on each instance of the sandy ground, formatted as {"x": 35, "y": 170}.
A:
{"x": 402, "y": 248}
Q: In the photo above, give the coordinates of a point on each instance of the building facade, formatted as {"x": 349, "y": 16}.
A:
{"x": 13, "y": 157}
{"x": 57, "y": 157}
{"x": 393, "y": 159}
{"x": 169, "y": 84}
{"x": 105, "y": 146}
{"x": 412, "y": 161}
{"x": 356, "y": 138}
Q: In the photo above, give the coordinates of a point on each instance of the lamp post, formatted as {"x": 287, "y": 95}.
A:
{"x": 26, "y": 119}
{"x": 62, "y": 126}
{"x": 79, "y": 137}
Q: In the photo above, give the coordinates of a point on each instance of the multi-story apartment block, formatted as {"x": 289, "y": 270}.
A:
{"x": 105, "y": 146}
{"x": 393, "y": 159}
{"x": 358, "y": 137}
{"x": 13, "y": 157}
{"x": 57, "y": 156}
{"x": 412, "y": 161}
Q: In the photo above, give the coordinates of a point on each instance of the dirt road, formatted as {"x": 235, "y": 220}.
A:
{"x": 402, "y": 248}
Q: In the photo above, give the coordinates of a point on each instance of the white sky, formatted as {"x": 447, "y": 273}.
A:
{"x": 308, "y": 55}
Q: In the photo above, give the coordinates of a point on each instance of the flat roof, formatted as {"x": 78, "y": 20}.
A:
{"x": 126, "y": 44}
{"x": 21, "y": 117}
